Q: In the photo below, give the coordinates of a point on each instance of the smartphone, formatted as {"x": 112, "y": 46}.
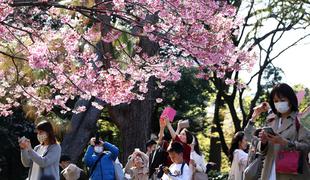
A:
{"x": 269, "y": 130}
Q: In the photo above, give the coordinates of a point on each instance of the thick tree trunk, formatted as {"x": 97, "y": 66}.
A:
{"x": 82, "y": 126}
{"x": 134, "y": 122}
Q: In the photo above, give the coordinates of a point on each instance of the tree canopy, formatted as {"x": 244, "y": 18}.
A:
{"x": 53, "y": 51}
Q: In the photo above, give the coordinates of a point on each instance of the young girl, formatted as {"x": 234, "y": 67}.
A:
{"x": 43, "y": 159}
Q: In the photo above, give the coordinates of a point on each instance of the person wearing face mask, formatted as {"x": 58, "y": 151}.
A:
{"x": 137, "y": 166}
{"x": 288, "y": 135}
{"x": 100, "y": 162}
{"x": 43, "y": 159}
{"x": 237, "y": 156}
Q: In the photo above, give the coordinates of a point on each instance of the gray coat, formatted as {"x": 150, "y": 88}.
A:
{"x": 288, "y": 131}
{"x": 49, "y": 163}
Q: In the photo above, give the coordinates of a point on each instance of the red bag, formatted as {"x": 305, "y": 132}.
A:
{"x": 289, "y": 162}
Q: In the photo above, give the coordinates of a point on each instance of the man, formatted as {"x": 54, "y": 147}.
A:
{"x": 69, "y": 170}
{"x": 101, "y": 163}
{"x": 179, "y": 170}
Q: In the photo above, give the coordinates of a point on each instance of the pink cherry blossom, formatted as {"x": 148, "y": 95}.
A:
{"x": 63, "y": 62}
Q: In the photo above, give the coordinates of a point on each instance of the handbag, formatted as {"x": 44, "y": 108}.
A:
{"x": 200, "y": 176}
{"x": 252, "y": 171}
{"x": 290, "y": 161}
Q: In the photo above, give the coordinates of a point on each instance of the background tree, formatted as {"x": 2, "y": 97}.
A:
{"x": 81, "y": 56}
{"x": 282, "y": 17}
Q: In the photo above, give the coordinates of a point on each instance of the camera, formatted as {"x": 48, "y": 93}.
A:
{"x": 160, "y": 171}
{"x": 97, "y": 141}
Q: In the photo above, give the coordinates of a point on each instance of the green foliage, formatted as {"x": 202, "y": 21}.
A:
{"x": 216, "y": 175}
{"x": 189, "y": 97}
{"x": 108, "y": 131}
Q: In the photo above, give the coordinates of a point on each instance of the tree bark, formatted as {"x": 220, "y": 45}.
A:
{"x": 82, "y": 126}
{"x": 215, "y": 141}
{"x": 134, "y": 122}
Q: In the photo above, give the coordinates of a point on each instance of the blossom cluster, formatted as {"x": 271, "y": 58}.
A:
{"x": 58, "y": 64}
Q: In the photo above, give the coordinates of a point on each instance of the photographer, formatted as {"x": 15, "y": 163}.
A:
{"x": 101, "y": 163}
{"x": 179, "y": 170}
{"x": 43, "y": 159}
{"x": 137, "y": 166}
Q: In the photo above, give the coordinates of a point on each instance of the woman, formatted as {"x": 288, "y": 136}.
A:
{"x": 237, "y": 156}
{"x": 251, "y": 133}
{"x": 185, "y": 138}
{"x": 137, "y": 166}
{"x": 43, "y": 160}
{"x": 289, "y": 134}
{"x": 197, "y": 162}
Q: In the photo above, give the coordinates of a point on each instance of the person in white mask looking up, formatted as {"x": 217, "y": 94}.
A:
{"x": 100, "y": 162}
{"x": 43, "y": 159}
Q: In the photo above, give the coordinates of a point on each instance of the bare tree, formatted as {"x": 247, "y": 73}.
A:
{"x": 285, "y": 16}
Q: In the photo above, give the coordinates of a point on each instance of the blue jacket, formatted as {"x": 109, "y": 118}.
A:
{"x": 104, "y": 169}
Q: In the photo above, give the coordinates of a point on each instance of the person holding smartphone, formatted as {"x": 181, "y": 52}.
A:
{"x": 286, "y": 134}
{"x": 100, "y": 163}
{"x": 43, "y": 159}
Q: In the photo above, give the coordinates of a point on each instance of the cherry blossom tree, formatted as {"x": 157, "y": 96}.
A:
{"x": 110, "y": 53}
{"x": 52, "y": 46}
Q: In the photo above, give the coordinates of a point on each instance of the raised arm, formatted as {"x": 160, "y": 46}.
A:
{"x": 113, "y": 149}
{"x": 89, "y": 157}
{"x": 162, "y": 126}
{"x": 26, "y": 161}
{"x": 170, "y": 128}
{"x": 52, "y": 156}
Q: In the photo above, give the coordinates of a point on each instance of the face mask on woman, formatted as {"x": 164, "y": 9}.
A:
{"x": 98, "y": 149}
{"x": 42, "y": 137}
{"x": 282, "y": 107}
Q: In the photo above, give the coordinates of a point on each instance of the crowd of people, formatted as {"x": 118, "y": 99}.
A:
{"x": 179, "y": 158}
{"x": 279, "y": 149}
{"x": 275, "y": 150}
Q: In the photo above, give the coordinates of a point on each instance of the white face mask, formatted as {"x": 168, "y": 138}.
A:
{"x": 282, "y": 107}
{"x": 42, "y": 137}
{"x": 98, "y": 149}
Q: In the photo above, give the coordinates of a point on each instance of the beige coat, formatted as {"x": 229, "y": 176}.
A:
{"x": 138, "y": 173}
{"x": 288, "y": 131}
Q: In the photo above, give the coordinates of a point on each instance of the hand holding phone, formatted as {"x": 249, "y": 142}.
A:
{"x": 269, "y": 130}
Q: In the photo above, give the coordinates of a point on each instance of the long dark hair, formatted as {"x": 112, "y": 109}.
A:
{"x": 189, "y": 136}
{"x": 283, "y": 90}
{"x": 48, "y": 128}
{"x": 196, "y": 147}
{"x": 238, "y": 137}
